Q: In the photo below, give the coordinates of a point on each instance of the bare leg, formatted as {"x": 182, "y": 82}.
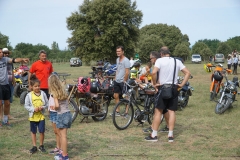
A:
{"x": 116, "y": 97}
{"x": 41, "y": 138}
{"x": 33, "y": 139}
{"x": 63, "y": 137}
{"x": 56, "y": 132}
{"x": 166, "y": 116}
{"x": 172, "y": 119}
{"x": 1, "y": 111}
{"x": 156, "y": 119}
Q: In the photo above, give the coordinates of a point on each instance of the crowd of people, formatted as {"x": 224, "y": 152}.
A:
{"x": 233, "y": 60}
{"x": 45, "y": 92}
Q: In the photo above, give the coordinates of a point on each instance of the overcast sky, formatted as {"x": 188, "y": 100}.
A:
{"x": 44, "y": 21}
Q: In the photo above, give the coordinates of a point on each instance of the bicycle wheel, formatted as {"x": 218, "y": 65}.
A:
{"x": 151, "y": 112}
{"x": 122, "y": 114}
{"x": 73, "y": 109}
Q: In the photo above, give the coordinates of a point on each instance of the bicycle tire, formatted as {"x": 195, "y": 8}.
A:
{"x": 151, "y": 110}
{"x": 121, "y": 122}
{"x": 73, "y": 109}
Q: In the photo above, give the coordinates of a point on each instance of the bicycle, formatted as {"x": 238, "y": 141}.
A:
{"x": 123, "y": 112}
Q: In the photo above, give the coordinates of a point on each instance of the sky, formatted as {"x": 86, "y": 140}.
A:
{"x": 44, "y": 21}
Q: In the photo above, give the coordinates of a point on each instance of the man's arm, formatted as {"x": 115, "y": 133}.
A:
{"x": 17, "y": 60}
{"x": 154, "y": 75}
{"x": 126, "y": 74}
{"x": 186, "y": 77}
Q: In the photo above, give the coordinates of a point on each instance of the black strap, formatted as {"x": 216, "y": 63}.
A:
{"x": 174, "y": 71}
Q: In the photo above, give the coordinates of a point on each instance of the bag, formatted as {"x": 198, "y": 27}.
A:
{"x": 167, "y": 91}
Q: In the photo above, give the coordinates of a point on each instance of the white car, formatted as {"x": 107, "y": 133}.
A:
{"x": 196, "y": 58}
{"x": 75, "y": 62}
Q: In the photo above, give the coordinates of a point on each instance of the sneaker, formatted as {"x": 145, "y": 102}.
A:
{"x": 33, "y": 150}
{"x": 41, "y": 148}
{"x": 7, "y": 124}
{"x": 125, "y": 115}
{"x": 170, "y": 139}
{"x": 60, "y": 157}
{"x": 151, "y": 139}
{"x": 116, "y": 114}
{"x": 166, "y": 129}
{"x": 54, "y": 151}
{"x": 148, "y": 130}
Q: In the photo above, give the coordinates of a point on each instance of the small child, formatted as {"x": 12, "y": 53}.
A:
{"x": 64, "y": 117}
{"x": 53, "y": 119}
{"x": 35, "y": 102}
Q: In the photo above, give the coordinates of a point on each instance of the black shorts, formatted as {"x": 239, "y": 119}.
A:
{"x": 170, "y": 104}
{"x": 118, "y": 87}
{"x": 5, "y": 92}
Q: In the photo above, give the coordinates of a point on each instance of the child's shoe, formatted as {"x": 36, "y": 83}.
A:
{"x": 33, "y": 150}
{"x": 42, "y": 149}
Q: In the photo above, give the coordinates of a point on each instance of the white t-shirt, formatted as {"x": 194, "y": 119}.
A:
{"x": 51, "y": 103}
{"x": 131, "y": 62}
{"x": 143, "y": 71}
{"x": 166, "y": 69}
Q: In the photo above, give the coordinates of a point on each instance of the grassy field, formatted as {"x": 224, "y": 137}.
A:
{"x": 199, "y": 132}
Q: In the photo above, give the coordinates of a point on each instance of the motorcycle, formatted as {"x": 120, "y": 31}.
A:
{"x": 21, "y": 79}
{"x": 228, "y": 95}
{"x": 184, "y": 93}
{"x": 91, "y": 101}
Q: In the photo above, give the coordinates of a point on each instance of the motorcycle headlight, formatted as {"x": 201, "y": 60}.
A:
{"x": 231, "y": 87}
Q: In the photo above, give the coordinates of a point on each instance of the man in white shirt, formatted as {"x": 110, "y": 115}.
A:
{"x": 165, "y": 66}
{"x": 131, "y": 62}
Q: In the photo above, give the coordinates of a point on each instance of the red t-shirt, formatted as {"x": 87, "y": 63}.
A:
{"x": 42, "y": 71}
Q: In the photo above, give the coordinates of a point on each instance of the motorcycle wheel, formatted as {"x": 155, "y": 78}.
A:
{"x": 104, "y": 111}
{"x": 17, "y": 91}
{"x": 186, "y": 101}
{"x": 221, "y": 107}
{"x": 73, "y": 109}
{"x": 213, "y": 94}
{"x": 23, "y": 96}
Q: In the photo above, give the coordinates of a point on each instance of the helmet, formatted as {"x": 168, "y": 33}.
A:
{"x": 217, "y": 76}
{"x": 131, "y": 82}
{"x": 136, "y": 64}
{"x": 94, "y": 88}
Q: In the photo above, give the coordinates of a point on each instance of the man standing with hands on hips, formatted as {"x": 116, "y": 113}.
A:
{"x": 165, "y": 66}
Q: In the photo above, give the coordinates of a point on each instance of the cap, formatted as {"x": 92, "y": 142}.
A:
{"x": 5, "y": 50}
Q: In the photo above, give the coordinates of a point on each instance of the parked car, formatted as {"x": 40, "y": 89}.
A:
{"x": 196, "y": 58}
{"x": 219, "y": 58}
{"x": 75, "y": 62}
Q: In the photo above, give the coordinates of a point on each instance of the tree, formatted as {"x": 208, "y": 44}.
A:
{"x": 101, "y": 25}
{"x": 148, "y": 43}
{"x": 170, "y": 35}
{"x": 205, "y": 53}
{"x": 4, "y": 42}
{"x": 234, "y": 43}
{"x": 224, "y": 48}
{"x": 197, "y": 47}
{"x": 182, "y": 50}
{"x": 212, "y": 44}
{"x": 54, "y": 47}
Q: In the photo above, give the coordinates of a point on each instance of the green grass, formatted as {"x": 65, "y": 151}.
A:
{"x": 199, "y": 132}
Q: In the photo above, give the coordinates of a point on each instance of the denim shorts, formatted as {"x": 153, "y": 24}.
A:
{"x": 53, "y": 116}
{"x": 40, "y": 125}
{"x": 64, "y": 120}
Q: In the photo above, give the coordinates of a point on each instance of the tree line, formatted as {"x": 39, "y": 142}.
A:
{"x": 99, "y": 26}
